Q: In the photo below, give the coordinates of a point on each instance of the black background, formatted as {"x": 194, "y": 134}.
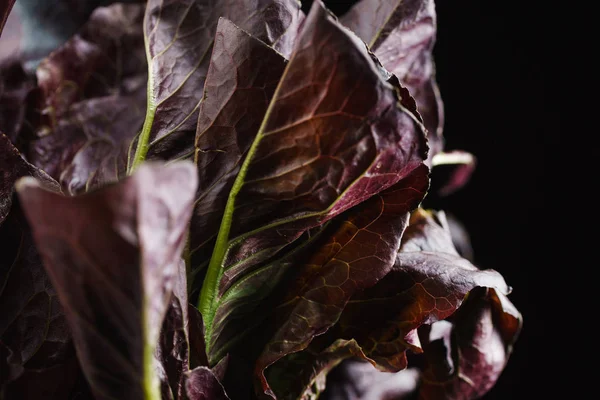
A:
{"x": 494, "y": 81}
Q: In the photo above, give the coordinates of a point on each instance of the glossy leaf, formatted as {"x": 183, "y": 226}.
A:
{"x": 437, "y": 232}
{"x": 202, "y": 384}
{"x": 172, "y": 351}
{"x": 12, "y": 167}
{"x": 116, "y": 280}
{"x": 402, "y": 35}
{"x": 179, "y": 41}
{"x": 35, "y": 343}
{"x": 241, "y": 80}
{"x": 465, "y": 357}
{"x": 429, "y": 231}
{"x": 332, "y": 138}
{"x": 92, "y": 97}
{"x": 359, "y": 250}
{"x": 428, "y": 283}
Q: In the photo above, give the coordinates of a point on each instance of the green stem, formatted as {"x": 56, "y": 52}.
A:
{"x": 210, "y": 287}
{"x": 151, "y": 382}
{"x": 144, "y": 138}
{"x": 206, "y": 303}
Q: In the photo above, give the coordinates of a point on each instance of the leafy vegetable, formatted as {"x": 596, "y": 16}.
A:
{"x": 402, "y": 35}
{"x": 465, "y": 357}
{"x": 35, "y": 343}
{"x": 230, "y": 115}
{"x": 116, "y": 280}
{"x": 427, "y": 284}
{"x": 92, "y": 96}
{"x": 203, "y": 385}
{"x": 175, "y": 83}
{"x": 351, "y": 139}
{"x": 227, "y": 200}
{"x": 359, "y": 251}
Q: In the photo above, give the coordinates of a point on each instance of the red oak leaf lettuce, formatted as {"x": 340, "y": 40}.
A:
{"x": 175, "y": 83}
{"x": 115, "y": 280}
{"x": 429, "y": 286}
{"x": 224, "y": 200}
{"x": 330, "y": 140}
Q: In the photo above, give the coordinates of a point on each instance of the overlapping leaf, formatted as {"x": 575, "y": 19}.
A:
{"x": 465, "y": 357}
{"x": 179, "y": 41}
{"x": 402, "y": 35}
{"x": 172, "y": 350}
{"x": 359, "y": 251}
{"x": 12, "y": 167}
{"x": 241, "y": 80}
{"x": 202, "y": 384}
{"x": 308, "y": 170}
{"x": 428, "y": 283}
{"x": 92, "y": 97}
{"x": 35, "y": 343}
{"x": 334, "y": 135}
{"x": 116, "y": 280}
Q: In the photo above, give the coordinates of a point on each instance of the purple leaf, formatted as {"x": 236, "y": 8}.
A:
{"x": 428, "y": 231}
{"x": 465, "y": 357}
{"x": 115, "y": 281}
{"x": 424, "y": 286}
{"x": 335, "y": 135}
{"x": 35, "y": 342}
{"x": 179, "y": 40}
{"x": 428, "y": 283}
{"x": 12, "y": 167}
{"x": 92, "y": 95}
{"x": 359, "y": 250}
{"x": 172, "y": 350}
{"x": 241, "y": 80}
{"x": 402, "y": 35}
{"x": 202, "y": 384}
